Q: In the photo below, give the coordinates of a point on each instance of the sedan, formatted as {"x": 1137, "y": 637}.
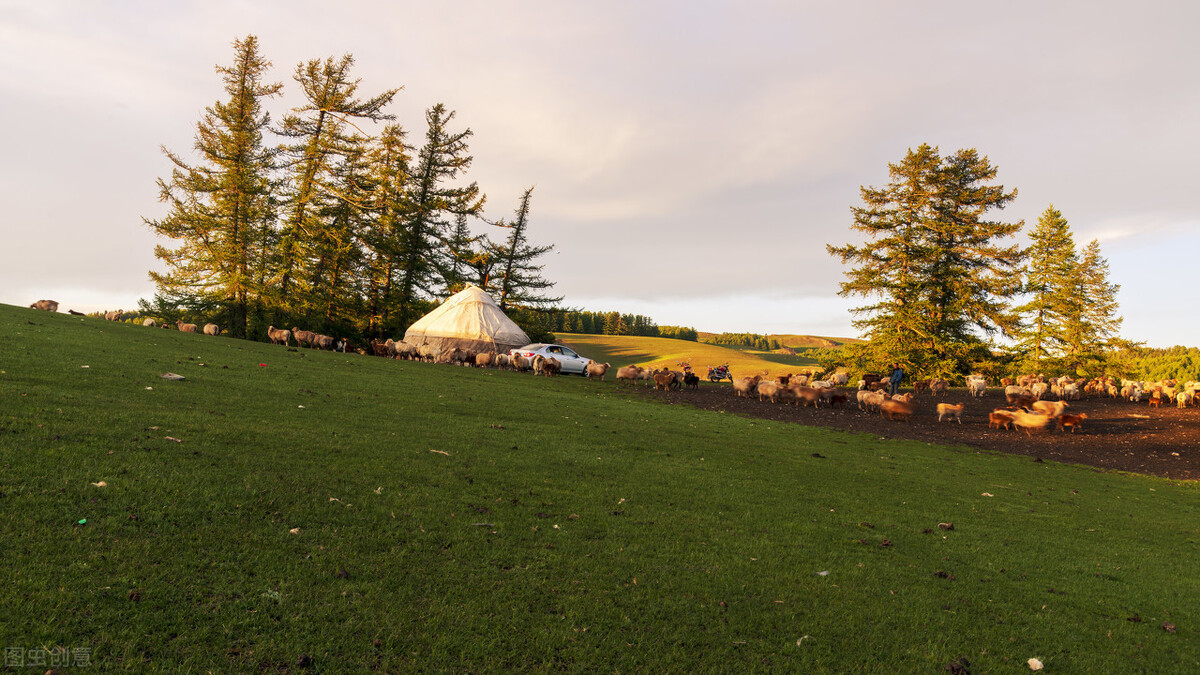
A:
{"x": 571, "y": 362}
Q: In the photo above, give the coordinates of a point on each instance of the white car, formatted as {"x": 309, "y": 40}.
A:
{"x": 571, "y": 362}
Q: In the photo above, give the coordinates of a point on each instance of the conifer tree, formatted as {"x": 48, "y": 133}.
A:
{"x": 520, "y": 281}
{"x": 221, "y": 209}
{"x": 1048, "y": 271}
{"x": 390, "y": 166}
{"x": 1093, "y": 321}
{"x": 430, "y": 200}
{"x": 934, "y": 266}
{"x": 324, "y": 131}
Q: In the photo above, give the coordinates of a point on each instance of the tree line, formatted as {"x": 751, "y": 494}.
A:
{"x": 950, "y": 291}
{"x": 751, "y": 340}
{"x": 336, "y": 228}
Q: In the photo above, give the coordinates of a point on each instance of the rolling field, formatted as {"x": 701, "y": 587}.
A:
{"x": 624, "y": 350}
{"x": 295, "y": 511}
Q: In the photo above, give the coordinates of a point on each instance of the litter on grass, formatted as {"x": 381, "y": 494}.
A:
{"x": 100, "y": 484}
{"x": 1035, "y": 664}
{"x": 172, "y": 376}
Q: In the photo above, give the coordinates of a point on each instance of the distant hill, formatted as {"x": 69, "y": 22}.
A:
{"x": 624, "y": 350}
{"x": 798, "y": 341}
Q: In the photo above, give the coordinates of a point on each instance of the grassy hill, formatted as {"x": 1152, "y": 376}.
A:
{"x": 623, "y": 350}
{"x": 295, "y": 511}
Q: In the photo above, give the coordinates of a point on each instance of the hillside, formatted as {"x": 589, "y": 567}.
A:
{"x": 623, "y": 350}
{"x": 284, "y": 510}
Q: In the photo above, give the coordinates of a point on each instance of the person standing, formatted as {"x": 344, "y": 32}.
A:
{"x": 894, "y": 380}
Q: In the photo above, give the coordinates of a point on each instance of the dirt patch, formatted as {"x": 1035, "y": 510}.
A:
{"x": 1117, "y": 435}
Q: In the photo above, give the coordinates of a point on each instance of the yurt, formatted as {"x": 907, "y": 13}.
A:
{"x": 469, "y": 320}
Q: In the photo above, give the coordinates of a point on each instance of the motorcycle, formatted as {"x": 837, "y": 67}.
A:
{"x": 718, "y": 373}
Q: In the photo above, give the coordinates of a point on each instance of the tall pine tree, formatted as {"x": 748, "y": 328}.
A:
{"x": 1050, "y": 266}
{"x": 324, "y": 132}
{"x": 1093, "y": 321}
{"x": 221, "y": 210}
{"x": 520, "y": 281}
{"x": 430, "y": 201}
{"x": 935, "y": 266}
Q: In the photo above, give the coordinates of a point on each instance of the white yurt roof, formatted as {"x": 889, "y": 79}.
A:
{"x": 469, "y": 319}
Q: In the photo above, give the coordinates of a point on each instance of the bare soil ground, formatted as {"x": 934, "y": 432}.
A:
{"x": 1117, "y": 435}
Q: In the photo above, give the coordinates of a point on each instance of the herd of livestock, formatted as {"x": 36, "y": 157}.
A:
{"x": 1033, "y": 401}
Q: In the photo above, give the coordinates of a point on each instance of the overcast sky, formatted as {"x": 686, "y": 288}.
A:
{"x": 691, "y": 159}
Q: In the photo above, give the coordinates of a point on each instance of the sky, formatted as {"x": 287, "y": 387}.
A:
{"x": 690, "y": 160}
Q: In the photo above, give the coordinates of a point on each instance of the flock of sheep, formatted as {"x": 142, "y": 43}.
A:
{"x": 1028, "y": 397}
{"x": 1029, "y": 405}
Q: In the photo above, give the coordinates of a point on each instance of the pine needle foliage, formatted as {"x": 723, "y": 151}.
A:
{"x": 938, "y": 272}
{"x": 221, "y": 209}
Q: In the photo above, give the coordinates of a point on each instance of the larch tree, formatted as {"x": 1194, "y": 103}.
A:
{"x": 431, "y": 199}
{"x": 324, "y": 131}
{"x": 391, "y": 166}
{"x": 1092, "y": 322}
{"x": 1050, "y": 266}
{"x": 939, "y": 271}
{"x": 521, "y": 282}
{"x": 221, "y": 210}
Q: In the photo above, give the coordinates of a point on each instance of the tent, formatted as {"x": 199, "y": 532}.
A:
{"x": 469, "y": 320}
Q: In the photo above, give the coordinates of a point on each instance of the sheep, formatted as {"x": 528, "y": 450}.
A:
{"x": 1070, "y": 392}
{"x": 770, "y": 390}
{"x": 1000, "y": 418}
{"x": 805, "y": 395}
{"x": 551, "y": 367}
{"x": 47, "y": 305}
{"x": 594, "y": 369}
{"x": 74, "y": 313}
{"x": 324, "y": 342}
{"x": 629, "y": 374}
{"x": 1156, "y": 399}
{"x": 148, "y": 322}
{"x": 744, "y": 385}
{"x": 920, "y": 386}
{"x": 976, "y": 387}
{"x": 1073, "y": 421}
{"x": 838, "y": 401}
{"x": 1052, "y": 408}
{"x": 184, "y": 327}
{"x": 520, "y": 363}
{"x": 648, "y": 376}
{"x": 1132, "y": 392}
{"x": 278, "y": 336}
{"x": 303, "y": 337}
{"x": 484, "y": 359}
{"x": 428, "y": 352}
{"x": 404, "y": 350}
{"x": 502, "y": 361}
{"x": 1021, "y": 400}
{"x": 896, "y": 410}
{"x": 383, "y": 349}
{"x": 840, "y": 379}
{"x": 869, "y": 400}
{"x": 691, "y": 380}
{"x": 664, "y": 379}
{"x": 115, "y": 315}
{"x": 1029, "y": 420}
{"x": 1039, "y": 390}
{"x": 952, "y": 410}
{"x": 212, "y": 329}
{"x": 1182, "y": 400}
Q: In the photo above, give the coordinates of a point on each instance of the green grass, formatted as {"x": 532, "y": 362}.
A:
{"x": 452, "y": 519}
{"x": 624, "y": 350}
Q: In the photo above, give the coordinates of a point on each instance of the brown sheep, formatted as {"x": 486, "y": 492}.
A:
{"x": 629, "y": 374}
{"x": 324, "y": 342}
{"x": 597, "y": 370}
{"x": 804, "y": 395}
{"x": 115, "y": 315}
{"x": 743, "y": 386}
{"x": 551, "y": 367}
{"x": 47, "y": 305}
{"x": 1052, "y": 408}
{"x": 148, "y": 322}
{"x": 520, "y": 363}
{"x": 1000, "y": 418}
{"x": 1073, "y": 421}
{"x": 896, "y": 410}
{"x": 303, "y": 337}
{"x": 770, "y": 390}
{"x": 484, "y": 359}
{"x": 939, "y": 387}
{"x": 278, "y": 336}
{"x": 951, "y": 410}
{"x": 184, "y": 327}
{"x": 1026, "y": 420}
{"x": 212, "y": 329}
{"x": 664, "y": 379}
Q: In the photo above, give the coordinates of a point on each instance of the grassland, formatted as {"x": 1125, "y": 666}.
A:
{"x": 290, "y": 511}
{"x": 623, "y": 350}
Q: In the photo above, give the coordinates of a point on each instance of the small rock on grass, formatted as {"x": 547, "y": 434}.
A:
{"x": 1035, "y": 664}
